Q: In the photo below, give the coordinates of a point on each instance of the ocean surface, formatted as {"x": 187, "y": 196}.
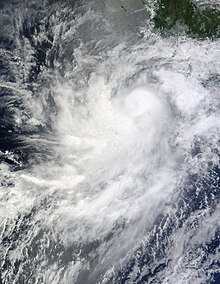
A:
{"x": 109, "y": 145}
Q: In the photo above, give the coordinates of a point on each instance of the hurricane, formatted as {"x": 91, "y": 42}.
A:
{"x": 109, "y": 142}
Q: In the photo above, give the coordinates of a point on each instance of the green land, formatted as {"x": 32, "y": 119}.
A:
{"x": 200, "y": 21}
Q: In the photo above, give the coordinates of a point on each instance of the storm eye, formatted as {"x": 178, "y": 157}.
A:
{"x": 141, "y": 101}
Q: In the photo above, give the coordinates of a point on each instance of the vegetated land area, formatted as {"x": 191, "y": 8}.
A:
{"x": 196, "y": 20}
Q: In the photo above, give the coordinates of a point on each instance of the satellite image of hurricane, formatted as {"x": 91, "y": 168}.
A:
{"x": 109, "y": 141}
